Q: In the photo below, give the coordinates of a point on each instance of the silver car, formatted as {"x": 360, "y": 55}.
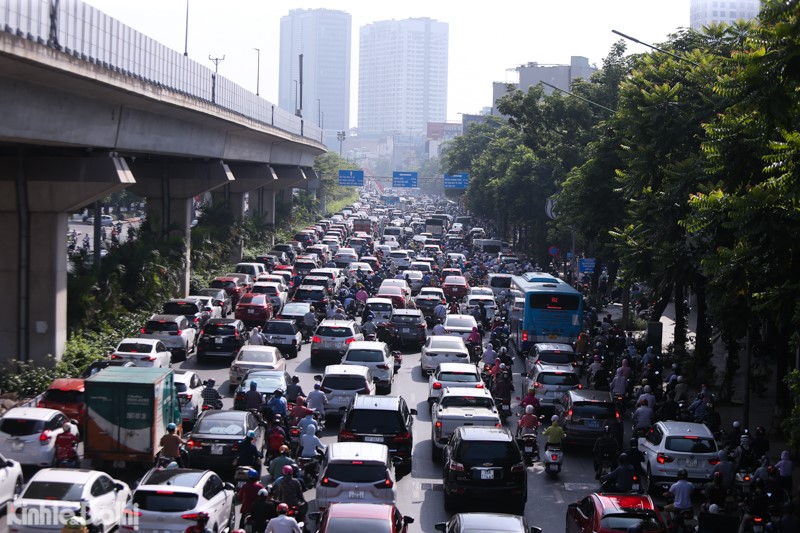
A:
{"x": 341, "y": 382}
{"x": 377, "y": 357}
{"x": 442, "y": 349}
{"x": 359, "y": 472}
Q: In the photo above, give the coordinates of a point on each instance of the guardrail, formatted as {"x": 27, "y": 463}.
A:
{"x": 85, "y": 32}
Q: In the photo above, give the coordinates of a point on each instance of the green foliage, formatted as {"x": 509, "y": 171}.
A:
{"x": 791, "y": 424}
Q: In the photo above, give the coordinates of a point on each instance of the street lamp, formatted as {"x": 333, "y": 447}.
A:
{"x": 341, "y": 135}
{"x": 186, "y": 32}
{"x": 258, "y": 69}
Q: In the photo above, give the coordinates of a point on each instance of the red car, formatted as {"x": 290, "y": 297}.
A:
{"x": 233, "y": 287}
{"x": 613, "y": 513}
{"x": 361, "y": 517}
{"x": 395, "y": 294}
{"x": 455, "y": 287}
{"x": 66, "y": 395}
{"x": 254, "y": 309}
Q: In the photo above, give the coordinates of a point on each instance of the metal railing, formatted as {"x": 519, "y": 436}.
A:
{"x": 85, "y": 32}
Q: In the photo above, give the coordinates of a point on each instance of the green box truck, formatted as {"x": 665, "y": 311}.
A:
{"x": 127, "y": 412}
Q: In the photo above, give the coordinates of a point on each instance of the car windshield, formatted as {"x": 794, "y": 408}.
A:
{"x": 279, "y": 328}
{"x": 343, "y": 383}
{"x": 691, "y": 444}
{"x": 380, "y": 307}
{"x": 455, "y": 280}
{"x": 406, "y": 319}
{"x": 256, "y": 356}
{"x": 180, "y": 386}
{"x": 500, "y": 282}
{"x": 256, "y": 299}
{"x": 355, "y": 472}
{"x": 53, "y": 490}
{"x": 159, "y": 325}
{"x": 593, "y": 410}
{"x": 466, "y": 401}
{"x": 294, "y": 309}
{"x": 350, "y": 524}
{"x": 176, "y": 308}
{"x": 63, "y": 396}
{"x": 213, "y": 293}
{"x": 451, "y": 322}
{"x": 261, "y": 289}
{"x": 556, "y": 358}
{"x": 219, "y": 426}
{"x": 266, "y": 383}
{"x": 219, "y": 329}
{"x": 459, "y": 377}
{"x": 365, "y": 356}
{"x": 309, "y": 294}
{"x": 164, "y": 501}
{"x": 19, "y": 427}
{"x": 134, "y": 347}
{"x": 566, "y": 379}
{"x": 334, "y": 331}
{"x": 440, "y": 342}
{"x": 219, "y": 284}
{"x": 622, "y": 521}
{"x": 375, "y": 422}
{"x": 475, "y": 452}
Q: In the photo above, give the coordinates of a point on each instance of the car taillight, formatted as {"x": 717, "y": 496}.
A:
{"x": 519, "y": 467}
{"x": 348, "y": 341}
{"x": 524, "y": 335}
{"x": 190, "y": 516}
{"x": 142, "y": 330}
{"x": 569, "y": 413}
{"x": 437, "y": 385}
{"x": 662, "y": 458}
{"x": 316, "y": 339}
{"x": 131, "y": 512}
{"x": 580, "y": 385}
{"x": 115, "y": 356}
{"x": 346, "y": 435}
{"x": 235, "y": 447}
{"x": 438, "y": 429}
{"x": 617, "y": 414}
{"x": 383, "y": 367}
{"x": 44, "y": 438}
{"x": 150, "y": 358}
{"x": 758, "y": 519}
{"x": 537, "y": 385}
{"x": 385, "y": 484}
{"x": 326, "y": 482}
{"x": 479, "y": 385}
{"x": 422, "y": 326}
{"x": 455, "y": 467}
{"x": 187, "y": 396}
{"x": 402, "y": 437}
{"x": 714, "y": 461}
{"x": 191, "y": 444}
{"x": 176, "y": 332}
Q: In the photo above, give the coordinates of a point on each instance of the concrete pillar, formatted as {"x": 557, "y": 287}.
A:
{"x": 178, "y": 217}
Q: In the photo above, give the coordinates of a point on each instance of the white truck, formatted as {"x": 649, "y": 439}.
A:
{"x": 459, "y": 406}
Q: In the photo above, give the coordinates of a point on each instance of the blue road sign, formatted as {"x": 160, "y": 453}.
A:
{"x": 586, "y": 264}
{"x": 456, "y": 181}
{"x": 404, "y": 179}
{"x": 351, "y": 178}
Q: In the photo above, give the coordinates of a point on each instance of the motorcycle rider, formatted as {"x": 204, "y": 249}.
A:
{"x": 299, "y": 411}
{"x": 622, "y": 476}
{"x": 309, "y": 442}
{"x": 604, "y": 446}
{"x": 725, "y": 468}
{"x": 760, "y": 442}
{"x": 555, "y": 434}
{"x": 316, "y": 400}
{"x": 473, "y": 339}
{"x": 248, "y": 453}
{"x": 438, "y": 329}
{"x": 201, "y": 526}
{"x": 294, "y": 390}
{"x": 67, "y": 444}
{"x": 642, "y": 417}
{"x": 635, "y": 457}
{"x": 171, "y": 444}
{"x": 277, "y": 404}
{"x": 309, "y": 323}
{"x": 619, "y": 385}
{"x": 504, "y": 357}
{"x": 715, "y": 492}
{"x": 648, "y": 395}
{"x": 289, "y": 491}
{"x": 211, "y": 396}
{"x": 744, "y": 456}
{"x": 681, "y": 490}
{"x": 262, "y": 511}
{"x": 489, "y": 355}
{"x": 528, "y": 423}
{"x": 502, "y": 389}
{"x": 755, "y": 504}
{"x": 283, "y": 523}
{"x": 248, "y": 494}
{"x": 369, "y": 326}
{"x": 711, "y": 418}
{"x": 530, "y": 400}
{"x": 681, "y": 390}
{"x": 253, "y": 398}
{"x": 277, "y": 464}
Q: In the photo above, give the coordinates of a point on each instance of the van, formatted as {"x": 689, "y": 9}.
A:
{"x": 499, "y": 283}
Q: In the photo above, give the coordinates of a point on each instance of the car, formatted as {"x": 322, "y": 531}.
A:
{"x": 455, "y": 287}
{"x": 375, "y": 355}
{"x": 669, "y": 446}
{"x": 143, "y": 352}
{"x": 316, "y": 295}
{"x": 274, "y": 291}
{"x": 221, "y": 337}
{"x": 294, "y": 311}
{"x": 254, "y": 309}
{"x": 274, "y": 278}
{"x": 174, "y": 331}
{"x": 355, "y": 267}
{"x": 207, "y": 302}
{"x": 345, "y": 256}
{"x": 194, "y": 311}
{"x": 480, "y": 291}
{"x": 453, "y": 375}
{"x": 384, "y": 420}
{"x": 550, "y": 383}
{"x": 427, "y": 303}
{"x": 28, "y": 435}
{"x": 372, "y": 261}
{"x": 585, "y": 413}
{"x": 246, "y": 279}
{"x": 551, "y": 353}
{"x": 267, "y": 382}
{"x": 400, "y": 283}
{"x": 470, "y": 301}
{"x": 216, "y": 435}
{"x": 304, "y": 265}
{"x": 165, "y": 497}
{"x": 398, "y": 297}
{"x": 612, "y": 513}
{"x": 11, "y": 479}
{"x": 189, "y": 388}
{"x": 268, "y": 260}
{"x": 484, "y": 464}
{"x": 361, "y": 472}
{"x": 422, "y": 266}
{"x": 96, "y": 366}
{"x": 341, "y": 382}
{"x": 497, "y": 522}
{"x": 253, "y": 269}
{"x": 284, "y": 335}
{"x": 54, "y": 493}
{"x": 321, "y": 281}
{"x": 254, "y": 357}
{"x": 287, "y": 248}
{"x": 381, "y": 309}
{"x": 233, "y": 287}
{"x": 220, "y": 299}
{"x": 281, "y": 256}
{"x": 361, "y": 517}
{"x": 442, "y": 348}
{"x": 66, "y": 395}
{"x": 436, "y": 291}
{"x": 334, "y": 274}
{"x": 460, "y": 406}
{"x": 410, "y": 326}
{"x": 401, "y": 258}
{"x": 414, "y": 279}
{"x": 459, "y": 325}
{"x": 330, "y": 340}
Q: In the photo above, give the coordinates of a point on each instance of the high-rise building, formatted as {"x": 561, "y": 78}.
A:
{"x": 323, "y": 37}
{"x": 402, "y": 76}
{"x": 707, "y": 12}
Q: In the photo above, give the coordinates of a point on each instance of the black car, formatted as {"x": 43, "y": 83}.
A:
{"x": 267, "y": 382}
{"x": 221, "y": 337}
{"x": 484, "y": 464}
{"x": 215, "y": 438}
{"x": 427, "y": 303}
{"x": 313, "y": 294}
{"x": 410, "y": 326}
{"x": 194, "y": 311}
{"x": 294, "y": 311}
{"x": 288, "y": 249}
{"x": 382, "y": 420}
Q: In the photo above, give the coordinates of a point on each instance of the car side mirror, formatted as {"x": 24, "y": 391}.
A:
{"x": 413, "y": 412}
{"x": 535, "y": 529}
{"x": 315, "y": 516}
{"x": 408, "y": 520}
{"x": 441, "y": 526}
{"x": 9, "y": 463}
{"x": 317, "y": 377}
{"x": 229, "y": 486}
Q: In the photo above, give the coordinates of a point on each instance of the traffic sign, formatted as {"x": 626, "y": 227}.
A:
{"x": 456, "y": 181}
{"x": 552, "y": 251}
{"x": 351, "y": 178}
{"x": 586, "y": 264}
{"x": 404, "y": 180}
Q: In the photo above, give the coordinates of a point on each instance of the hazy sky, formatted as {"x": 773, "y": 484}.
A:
{"x": 486, "y": 38}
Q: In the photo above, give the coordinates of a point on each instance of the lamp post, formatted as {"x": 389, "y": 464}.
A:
{"x": 296, "y": 111}
{"x": 186, "y": 32}
{"x": 258, "y": 70}
{"x": 341, "y": 135}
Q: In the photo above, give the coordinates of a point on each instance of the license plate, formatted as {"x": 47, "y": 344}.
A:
{"x": 487, "y": 474}
{"x": 356, "y": 494}
{"x": 528, "y": 449}
{"x": 635, "y": 487}
{"x": 251, "y": 311}
{"x": 18, "y": 446}
{"x": 691, "y": 463}
{"x": 758, "y": 528}
{"x": 374, "y": 439}
{"x": 330, "y": 344}
{"x": 218, "y": 340}
{"x": 405, "y": 330}
{"x": 506, "y": 407}
{"x": 549, "y": 394}
{"x": 216, "y": 449}
{"x": 341, "y": 399}
{"x": 592, "y": 423}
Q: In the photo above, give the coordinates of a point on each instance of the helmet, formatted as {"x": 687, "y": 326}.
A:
{"x": 210, "y": 382}
{"x": 251, "y": 434}
{"x": 503, "y": 350}
{"x": 67, "y": 427}
{"x": 287, "y": 470}
{"x": 284, "y": 448}
{"x": 489, "y": 345}
{"x": 311, "y": 308}
{"x": 683, "y": 474}
{"x": 606, "y": 430}
{"x": 202, "y": 517}
{"x": 171, "y": 466}
{"x": 282, "y": 507}
{"x": 263, "y": 493}
{"x": 252, "y": 474}
{"x": 644, "y": 381}
{"x": 317, "y": 386}
{"x": 253, "y": 385}
{"x": 528, "y": 409}
{"x": 596, "y": 357}
{"x": 278, "y": 392}
{"x": 647, "y": 388}
{"x": 295, "y": 379}
{"x": 623, "y": 458}
{"x": 744, "y": 439}
{"x": 278, "y": 419}
{"x": 502, "y": 366}
{"x": 680, "y": 379}
{"x": 554, "y": 419}
{"x": 722, "y": 454}
{"x": 717, "y": 476}
{"x": 171, "y": 427}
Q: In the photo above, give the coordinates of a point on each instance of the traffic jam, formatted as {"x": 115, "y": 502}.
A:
{"x": 393, "y": 354}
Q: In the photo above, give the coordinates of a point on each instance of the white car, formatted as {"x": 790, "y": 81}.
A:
{"x": 355, "y": 266}
{"x": 274, "y": 292}
{"x": 453, "y": 375}
{"x": 391, "y": 242}
{"x": 189, "y": 388}
{"x": 255, "y": 357}
{"x": 175, "y": 331}
{"x": 150, "y": 353}
{"x": 28, "y": 434}
{"x": 164, "y": 497}
{"x": 401, "y": 258}
{"x": 438, "y": 291}
{"x": 471, "y": 301}
{"x": 460, "y": 325}
{"x": 10, "y": 479}
{"x": 414, "y": 279}
{"x": 442, "y": 349}
{"x": 669, "y": 446}
{"x": 480, "y": 291}
{"x": 384, "y": 248}
{"x": 208, "y": 303}
{"x": 55, "y": 493}
{"x": 377, "y": 357}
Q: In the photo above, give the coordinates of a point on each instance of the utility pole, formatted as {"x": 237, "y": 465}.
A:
{"x": 258, "y": 70}
{"x": 186, "y": 32}
{"x": 300, "y": 103}
{"x": 216, "y": 61}
{"x": 340, "y": 135}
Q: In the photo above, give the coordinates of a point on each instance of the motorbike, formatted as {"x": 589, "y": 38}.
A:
{"x": 67, "y": 457}
{"x": 553, "y": 459}
{"x": 505, "y": 409}
{"x": 684, "y": 521}
{"x": 398, "y": 360}
{"x": 606, "y": 464}
{"x": 619, "y": 401}
{"x": 742, "y": 481}
{"x": 309, "y": 468}
{"x": 529, "y": 445}
{"x": 240, "y": 476}
{"x": 163, "y": 461}
{"x": 475, "y": 352}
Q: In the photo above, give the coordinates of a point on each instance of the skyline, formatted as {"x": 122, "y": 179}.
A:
{"x": 485, "y": 46}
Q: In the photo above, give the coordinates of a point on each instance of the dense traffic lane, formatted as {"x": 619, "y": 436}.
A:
{"x": 420, "y": 494}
